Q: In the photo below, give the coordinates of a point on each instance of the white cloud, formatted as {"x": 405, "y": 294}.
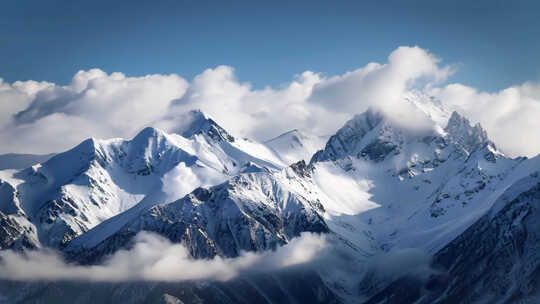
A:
{"x": 181, "y": 180}
{"x": 260, "y": 114}
{"x": 16, "y": 97}
{"x": 43, "y": 117}
{"x": 154, "y": 258}
{"x": 383, "y": 86}
{"x": 511, "y": 116}
{"x": 312, "y": 101}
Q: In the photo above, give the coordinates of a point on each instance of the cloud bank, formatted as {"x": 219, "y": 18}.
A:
{"x": 154, "y": 258}
{"x": 42, "y": 117}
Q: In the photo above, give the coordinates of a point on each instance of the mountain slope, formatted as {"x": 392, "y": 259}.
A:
{"x": 296, "y": 145}
{"x": 78, "y": 189}
{"x": 497, "y": 259}
{"x": 249, "y": 212}
{"x": 417, "y": 189}
{"x": 494, "y": 261}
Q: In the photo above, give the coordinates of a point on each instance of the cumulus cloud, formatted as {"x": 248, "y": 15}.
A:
{"x": 154, "y": 258}
{"x": 382, "y": 86}
{"x": 312, "y": 101}
{"x": 44, "y": 117}
{"x": 259, "y": 114}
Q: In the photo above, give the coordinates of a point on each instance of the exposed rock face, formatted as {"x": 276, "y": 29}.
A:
{"x": 302, "y": 169}
{"x": 378, "y": 150}
{"x": 468, "y": 137}
{"x": 13, "y": 235}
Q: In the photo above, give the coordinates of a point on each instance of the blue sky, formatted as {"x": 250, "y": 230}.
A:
{"x": 494, "y": 44}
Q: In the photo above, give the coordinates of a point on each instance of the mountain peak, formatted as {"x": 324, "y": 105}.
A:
{"x": 364, "y": 121}
{"x": 469, "y": 137}
{"x": 198, "y": 122}
{"x": 347, "y": 139}
{"x": 293, "y": 134}
{"x": 296, "y": 145}
{"x": 148, "y": 132}
{"x": 429, "y": 105}
{"x": 457, "y": 119}
{"x": 290, "y": 132}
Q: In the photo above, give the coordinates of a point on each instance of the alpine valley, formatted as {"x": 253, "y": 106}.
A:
{"x": 430, "y": 215}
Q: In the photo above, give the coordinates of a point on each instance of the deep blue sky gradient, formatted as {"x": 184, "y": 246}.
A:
{"x": 495, "y": 44}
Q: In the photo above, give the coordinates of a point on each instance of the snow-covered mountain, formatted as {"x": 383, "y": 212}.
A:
{"x": 494, "y": 261}
{"x": 375, "y": 188}
{"x": 420, "y": 190}
{"x": 249, "y": 212}
{"x": 424, "y": 192}
{"x": 497, "y": 259}
{"x": 296, "y": 145}
{"x": 74, "y": 191}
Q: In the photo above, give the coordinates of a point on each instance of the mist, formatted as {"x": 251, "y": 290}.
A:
{"x": 155, "y": 258}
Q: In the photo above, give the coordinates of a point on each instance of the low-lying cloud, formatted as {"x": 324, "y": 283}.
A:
{"x": 182, "y": 179}
{"x": 154, "y": 258}
{"x": 42, "y": 117}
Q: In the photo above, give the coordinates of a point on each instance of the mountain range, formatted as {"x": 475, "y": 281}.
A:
{"x": 431, "y": 215}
